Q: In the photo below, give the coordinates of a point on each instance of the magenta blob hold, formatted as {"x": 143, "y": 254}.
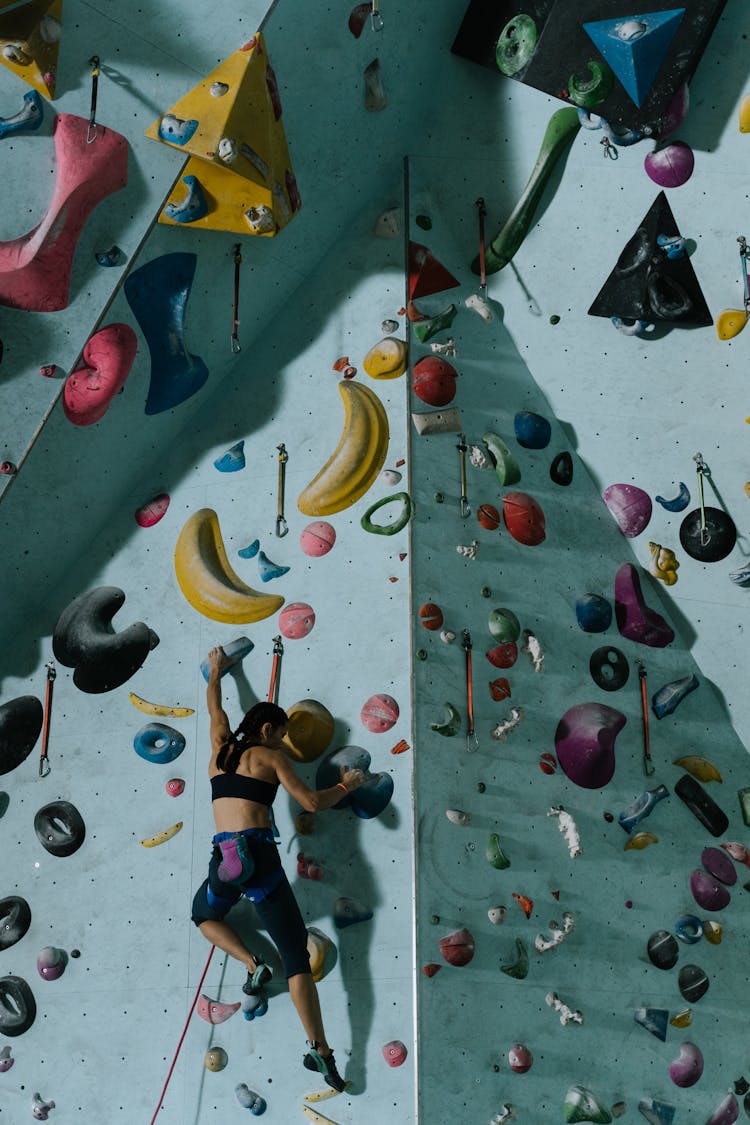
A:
{"x": 719, "y": 865}
{"x": 687, "y": 1069}
{"x": 726, "y": 1113}
{"x": 630, "y": 506}
{"x": 670, "y": 166}
{"x": 677, "y": 111}
{"x": 585, "y": 743}
{"x": 51, "y": 962}
{"x": 175, "y": 787}
{"x": 707, "y": 892}
{"x": 634, "y": 618}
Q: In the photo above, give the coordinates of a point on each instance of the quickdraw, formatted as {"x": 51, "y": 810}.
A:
{"x": 92, "y": 132}
{"x": 648, "y": 764}
{"x": 701, "y": 468}
{"x": 281, "y": 524}
{"x": 472, "y": 741}
{"x": 464, "y": 502}
{"x": 236, "y": 313}
{"x": 278, "y": 652}
{"x": 482, "y": 211}
{"x": 44, "y": 766}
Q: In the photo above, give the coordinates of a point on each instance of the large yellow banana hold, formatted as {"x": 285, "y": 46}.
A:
{"x": 162, "y": 837}
{"x": 315, "y": 1117}
{"x": 208, "y": 581}
{"x": 357, "y": 459}
{"x": 161, "y": 709}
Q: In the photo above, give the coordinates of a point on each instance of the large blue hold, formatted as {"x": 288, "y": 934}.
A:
{"x": 158, "y": 295}
{"x": 593, "y": 613}
{"x": 533, "y": 431}
{"x": 158, "y": 743}
{"x": 667, "y": 699}
{"x": 635, "y": 47}
{"x": 234, "y": 651}
{"x": 369, "y": 799}
{"x": 641, "y": 807}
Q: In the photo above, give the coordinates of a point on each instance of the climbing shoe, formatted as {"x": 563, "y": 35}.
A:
{"x": 255, "y": 981}
{"x": 313, "y": 1060}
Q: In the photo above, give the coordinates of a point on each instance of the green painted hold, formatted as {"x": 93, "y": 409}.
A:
{"x": 516, "y": 44}
{"x": 424, "y": 222}
{"x": 591, "y": 91}
{"x": 424, "y": 330}
{"x": 504, "y": 625}
{"x": 496, "y": 857}
{"x": 452, "y": 724}
{"x": 519, "y": 970}
{"x": 561, "y": 129}
{"x": 388, "y": 528}
{"x": 505, "y": 463}
{"x": 582, "y": 1105}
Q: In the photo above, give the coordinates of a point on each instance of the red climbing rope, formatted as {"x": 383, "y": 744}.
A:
{"x": 184, "y": 1033}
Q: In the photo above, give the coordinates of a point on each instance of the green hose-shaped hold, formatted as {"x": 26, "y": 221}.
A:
{"x": 388, "y": 528}
{"x": 561, "y": 129}
{"x": 516, "y": 44}
{"x": 593, "y": 90}
{"x": 495, "y": 854}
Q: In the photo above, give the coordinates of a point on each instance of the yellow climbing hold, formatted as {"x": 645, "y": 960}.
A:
{"x": 663, "y": 564}
{"x": 683, "y": 1018}
{"x": 208, "y": 581}
{"x": 745, "y": 114}
{"x": 712, "y": 932}
{"x": 160, "y": 709}
{"x": 30, "y": 38}
{"x": 699, "y": 768}
{"x": 162, "y": 837}
{"x": 317, "y": 1118}
{"x": 730, "y": 323}
{"x": 387, "y": 360}
{"x": 318, "y": 946}
{"x": 310, "y": 730}
{"x": 641, "y": 840}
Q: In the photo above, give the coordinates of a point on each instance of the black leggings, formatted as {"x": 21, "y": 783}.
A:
{"x": 269, "y": 890}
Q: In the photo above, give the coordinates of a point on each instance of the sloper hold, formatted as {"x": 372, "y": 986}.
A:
{"x": 701, "y": 805}
{"x": 426, "y": 274}
{"x": 635, "y": 48}
{"x": 108, "y": 356}
{"x": 60, "y": 828}
{"x": 158, "y": 294}
{"x": 36, "y": 27}
{"x": 635, "y": 619}
{"x": 20, "y": 725}
{"x": 647, "y": 285}
{"x": 585, "y": 743}
{"x": 347, "y": 912}
{"x": 85, "y": 640}
{"x": 17, "y": 1006}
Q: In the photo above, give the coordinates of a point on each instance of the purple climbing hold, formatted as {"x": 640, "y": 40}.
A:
{"x": 630, "y": 506}
{"x": 687, "y": 1069}
{"x": 707, "y": 892}
{"x": 726, "y": 1113}
{"x": 634, "y": 618}
{"x": 51, "y": 962}
{"x": 719, "y": 865}
{"x": 585, "y": 743}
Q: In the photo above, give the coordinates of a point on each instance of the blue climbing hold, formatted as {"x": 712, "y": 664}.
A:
{"x": 654, "y": 1020}
{"x": 27, "y": 120}
{"x": 268, "y": 569}
{"x": 233, "y": 460}
{"x": 641, "y": 807}
{"x": 234, "y": 651}
{"x": 680, "y": 501}
{"x": 347, "y": 912}
{"x": 593, "y": 613}
{"x": 175, "y": 130}
{"x": 158, "y": 295}
{"x": 192, "y": 207}
{"x": 667, "y": 699}
{"x": 250, "y": 551}
{"x": 109, "y": 258}
{"x": 635, "y": 47}
{"x": 656, "y": 1113}
{"x": 158, "y": 743}
{"x": 689, "y": 929}
{"x": 533, "y": 431}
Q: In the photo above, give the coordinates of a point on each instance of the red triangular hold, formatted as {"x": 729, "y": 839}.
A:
{"x": 426, "y": 274}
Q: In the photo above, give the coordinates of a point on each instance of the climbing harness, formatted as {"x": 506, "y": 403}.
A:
{"x": 184, "y": 1033}
{"x": 482, "y": 211}
{"x": 375, "y": 17}
{"x": 92, "y": 131}
{"x": 44, "y": 766}
{"x": 281, "y": 524}
{"x": 278, "y": 652}
{"x": 472, "y": 742}
{"x": 648, "y": 765}
{"x": 702, "y": 468}
{"x": 461, "y": 446}
{"x": 236, "y": 314}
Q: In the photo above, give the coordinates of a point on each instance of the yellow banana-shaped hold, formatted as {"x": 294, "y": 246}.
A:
{"x": 699, "y": 768}
{"x": 208, "y": 581}
{"x": 160, "y": 709}
{"x": 321, "y": 1095}
{"x": 357, "y": 459}
{"x": 162, "y": 837}
{"x": 317, "y": 1118}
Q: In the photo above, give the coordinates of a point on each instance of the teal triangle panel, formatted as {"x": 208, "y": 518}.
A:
{"x": 635, "y": 47}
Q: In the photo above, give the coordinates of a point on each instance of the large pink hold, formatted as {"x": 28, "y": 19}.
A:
{"x": 634, "y": 618}
{"x": 585, "y": 743}
{"x": 152, "y": 511}
{"x": 457, "y": 948}
{"x": 296, "y": 620}
{"x": 630, "y": 506}
{"x": 317, "y": 538}
{"x": 687, "y": 1069}
{"x": 671, "y": 166}
{"x": 107, "y": 359}
{"x": 213, "y": 1012}
{"x": 379, "y": 713}
{"x": 35, "y": 268}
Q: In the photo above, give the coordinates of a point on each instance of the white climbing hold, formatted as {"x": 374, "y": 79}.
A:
{"x": 503, "y": 729}
{"x": 567, "y": 1015}
{"x": 447, "y": 636}
{"x": 458, "y": 816}
{"x": 469, "y": 552}
{"x": 558, "y": 932}
{"x": 496, "y": 915}
{"x": 478, "y": 305}
{"x": 569, "y": 829}
{"x": 534, "y": 649}
{"x": 478, "y": 458}
{"x": 507, "y": 1113}
{"x": 448, "y": 348}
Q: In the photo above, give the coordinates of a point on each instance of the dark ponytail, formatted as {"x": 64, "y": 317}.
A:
{"x": 249, "y": 729}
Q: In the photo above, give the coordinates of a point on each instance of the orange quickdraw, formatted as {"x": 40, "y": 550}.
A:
{"x": 472, "y": 742}
{"x": 44, "y": 766}
{"x": 278, "y": 652}
{"x": 648, "y": 765}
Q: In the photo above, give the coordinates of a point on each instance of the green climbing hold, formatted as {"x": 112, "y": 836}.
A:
{"x": 505, "y": 463}
{"x": 424, "y": 330}
{"x": 496, "y": 857}
{"x": 516, "y": 44}
{"x": 439, "y": 497}
{"x": 452, "y": 724}
{"x": 591, "y": 91}
{"x": 388, "y": 528}
{"x": 582, "y": 1105}
{"x": 503, "y": 625}
{"x": 519, "y": 969}
{"x": 421, "y": 654}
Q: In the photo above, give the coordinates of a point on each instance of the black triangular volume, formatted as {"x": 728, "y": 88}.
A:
{"x": 648, "y": 285}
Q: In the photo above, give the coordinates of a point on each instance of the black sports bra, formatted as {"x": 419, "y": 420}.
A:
{"x": 248, "y": 788}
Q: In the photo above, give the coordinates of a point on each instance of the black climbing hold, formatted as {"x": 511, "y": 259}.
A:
{"x": 561, "y": 469}
{"x": 663, "y": 949}
{"x": 609, "y": 817}
{"x": 701, "y": 805}
{"x": 692, "y": 982}
{"x": 609, "y": 668}
{"x": 59, "y": 828}
{"x": 481, "y": 787}
{"x": 4, "y": 802}
{"x": 435, "y": 920}
{"x": 716, "y": 540}
{"x": 85, "y": 640}
{"x": 17, "y": 1006}
{"x": 75, "y": 953}
{"x": 20, "y": 723}
{"x": 15, "y": 919}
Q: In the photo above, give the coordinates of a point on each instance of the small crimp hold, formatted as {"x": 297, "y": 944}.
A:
{"x": 503, "y": 729}
{"x": 569, "y": 829}
{"x": 558, "y": 932}
{"x": 567, "y": 1015}
{"x": 40, "y": 1108}
{"x": 478, "y": 305}
{"x": 469, "y": 552}
{"x": 447, "y": 349}
{"x": 533, "y": 649}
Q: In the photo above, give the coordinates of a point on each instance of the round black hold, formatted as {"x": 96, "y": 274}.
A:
{"x": 609, "y": 668}
{"x": 59, "y": 828}
{"x": 435, "y": 920}
{"x": 662, "y": 949}
{"x": 20, "y": 724}
{"x": 668, "y": 299}
{"x": 15, "y": 919}
{"x": 75, "y": 953}
{"x": 17, "y": 1006}
{"x": 561, "y": 469}
{"x": 741, "y": 1086}
{"x": 692, "y": 982}
{"x": 717, "y": 539}
{"x": 609, "y": 817}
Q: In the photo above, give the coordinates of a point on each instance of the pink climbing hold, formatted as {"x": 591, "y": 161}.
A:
{"x": 379, "y": 713}
{"x": 634, "y": 618}
{"x": 317, "y": 538}
{"x": 35, "y": 268}
{"x": 107, "y": 359}
{"x": 457, "y": 948}
{"x": 395, "y": 1053}
{"x": 213, "y": 1012}
{"x": 630, "y": 506}
{"x": 152, "y": 511}
{"x": 585, "y": 743}
{"x": 296, "y": 620}
{"x": 175, "y": 787}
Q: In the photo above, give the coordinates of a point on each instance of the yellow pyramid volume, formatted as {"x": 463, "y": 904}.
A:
{"x": 30, "y": 43}
{"x": 239, "y": 176}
